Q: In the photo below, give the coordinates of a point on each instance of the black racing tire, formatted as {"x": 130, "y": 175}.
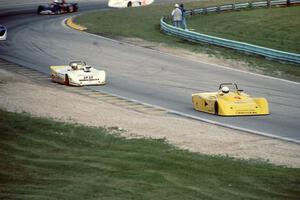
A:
{"x": 39, "y": 10}
{"x": 52, "y": 78}
{"x": 75, "y": 7}
{"x": 67, "y": 81}
{"x": 57, "y": 10}
{"x": 129, "y": 4}
{"x": 216, "y": 108}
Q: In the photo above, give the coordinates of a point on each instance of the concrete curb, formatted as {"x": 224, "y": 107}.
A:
{"x": 69, "y": 22}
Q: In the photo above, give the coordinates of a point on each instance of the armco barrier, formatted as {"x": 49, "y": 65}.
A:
{"x": 241, "y": 46}
{"x": 242, "y": 6}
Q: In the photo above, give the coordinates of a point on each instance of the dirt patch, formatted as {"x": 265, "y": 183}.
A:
{"x": 19, "y": 94}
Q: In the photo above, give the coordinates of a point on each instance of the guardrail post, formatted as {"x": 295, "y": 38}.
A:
{"x": 192, "y": 12}
{"x": 250, "y": 5}
{"x": 269, "y": 3}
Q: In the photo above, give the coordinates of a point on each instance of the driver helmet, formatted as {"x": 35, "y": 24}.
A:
{"x": 225, "y": 89}
{"x": 56, "y": 1}
{"x": 74, "y": 65}
{"x": 176, "y": 5}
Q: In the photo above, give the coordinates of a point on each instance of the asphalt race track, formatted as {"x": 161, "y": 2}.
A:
{"x": 143, "y": 74}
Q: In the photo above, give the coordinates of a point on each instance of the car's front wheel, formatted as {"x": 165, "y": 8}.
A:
{"x": 216, "y": 108}
{"x": 39, "y": 10}
{"x": 52, "y": 78}
{"x": 67, "y": 81}
{"x": 75, "y": 8}
{"x": 129, "y": 4}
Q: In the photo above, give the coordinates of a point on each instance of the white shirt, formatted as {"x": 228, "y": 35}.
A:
{"x": 176, "y": 14}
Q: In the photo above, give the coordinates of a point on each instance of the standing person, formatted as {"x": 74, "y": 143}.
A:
{"x": 183, "y": 16}
{"x": 177, "y": 16}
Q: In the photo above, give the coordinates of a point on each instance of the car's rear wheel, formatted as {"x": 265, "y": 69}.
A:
{"x": 129, "y": 4}
{"x": 67, "y": 81}
{"x": 57, "y": 10}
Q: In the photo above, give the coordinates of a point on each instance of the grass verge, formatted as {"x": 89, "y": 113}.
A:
{"x": 43, "y": 159}
{"x": 143, "y": 23}
{"x": 276, "y": 28}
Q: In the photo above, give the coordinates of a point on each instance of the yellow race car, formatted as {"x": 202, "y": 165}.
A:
{"x": 230, "y": 101}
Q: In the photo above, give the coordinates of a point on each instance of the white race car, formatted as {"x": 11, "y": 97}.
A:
{"x": 77, "y": 73}
{"x": 128, "y": 3}
{"x": 3, "y": 32}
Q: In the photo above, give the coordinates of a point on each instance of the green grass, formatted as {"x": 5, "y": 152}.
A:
{"x": 277, "y": 28}
{"x": 43, "y": 159}
{"x": 143, "y": 23}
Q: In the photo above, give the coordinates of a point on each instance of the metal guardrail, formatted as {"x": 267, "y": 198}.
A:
{"x": 240, "y": 46}
{"x": 242, "y": 6}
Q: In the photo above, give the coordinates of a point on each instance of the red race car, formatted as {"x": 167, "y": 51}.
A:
{"x": 57, "y": 7}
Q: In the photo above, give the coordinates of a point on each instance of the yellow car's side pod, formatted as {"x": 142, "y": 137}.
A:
{"x": 232, "y": 103}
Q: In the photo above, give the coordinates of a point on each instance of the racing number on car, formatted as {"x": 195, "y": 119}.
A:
{"x": 88, "y": 77}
